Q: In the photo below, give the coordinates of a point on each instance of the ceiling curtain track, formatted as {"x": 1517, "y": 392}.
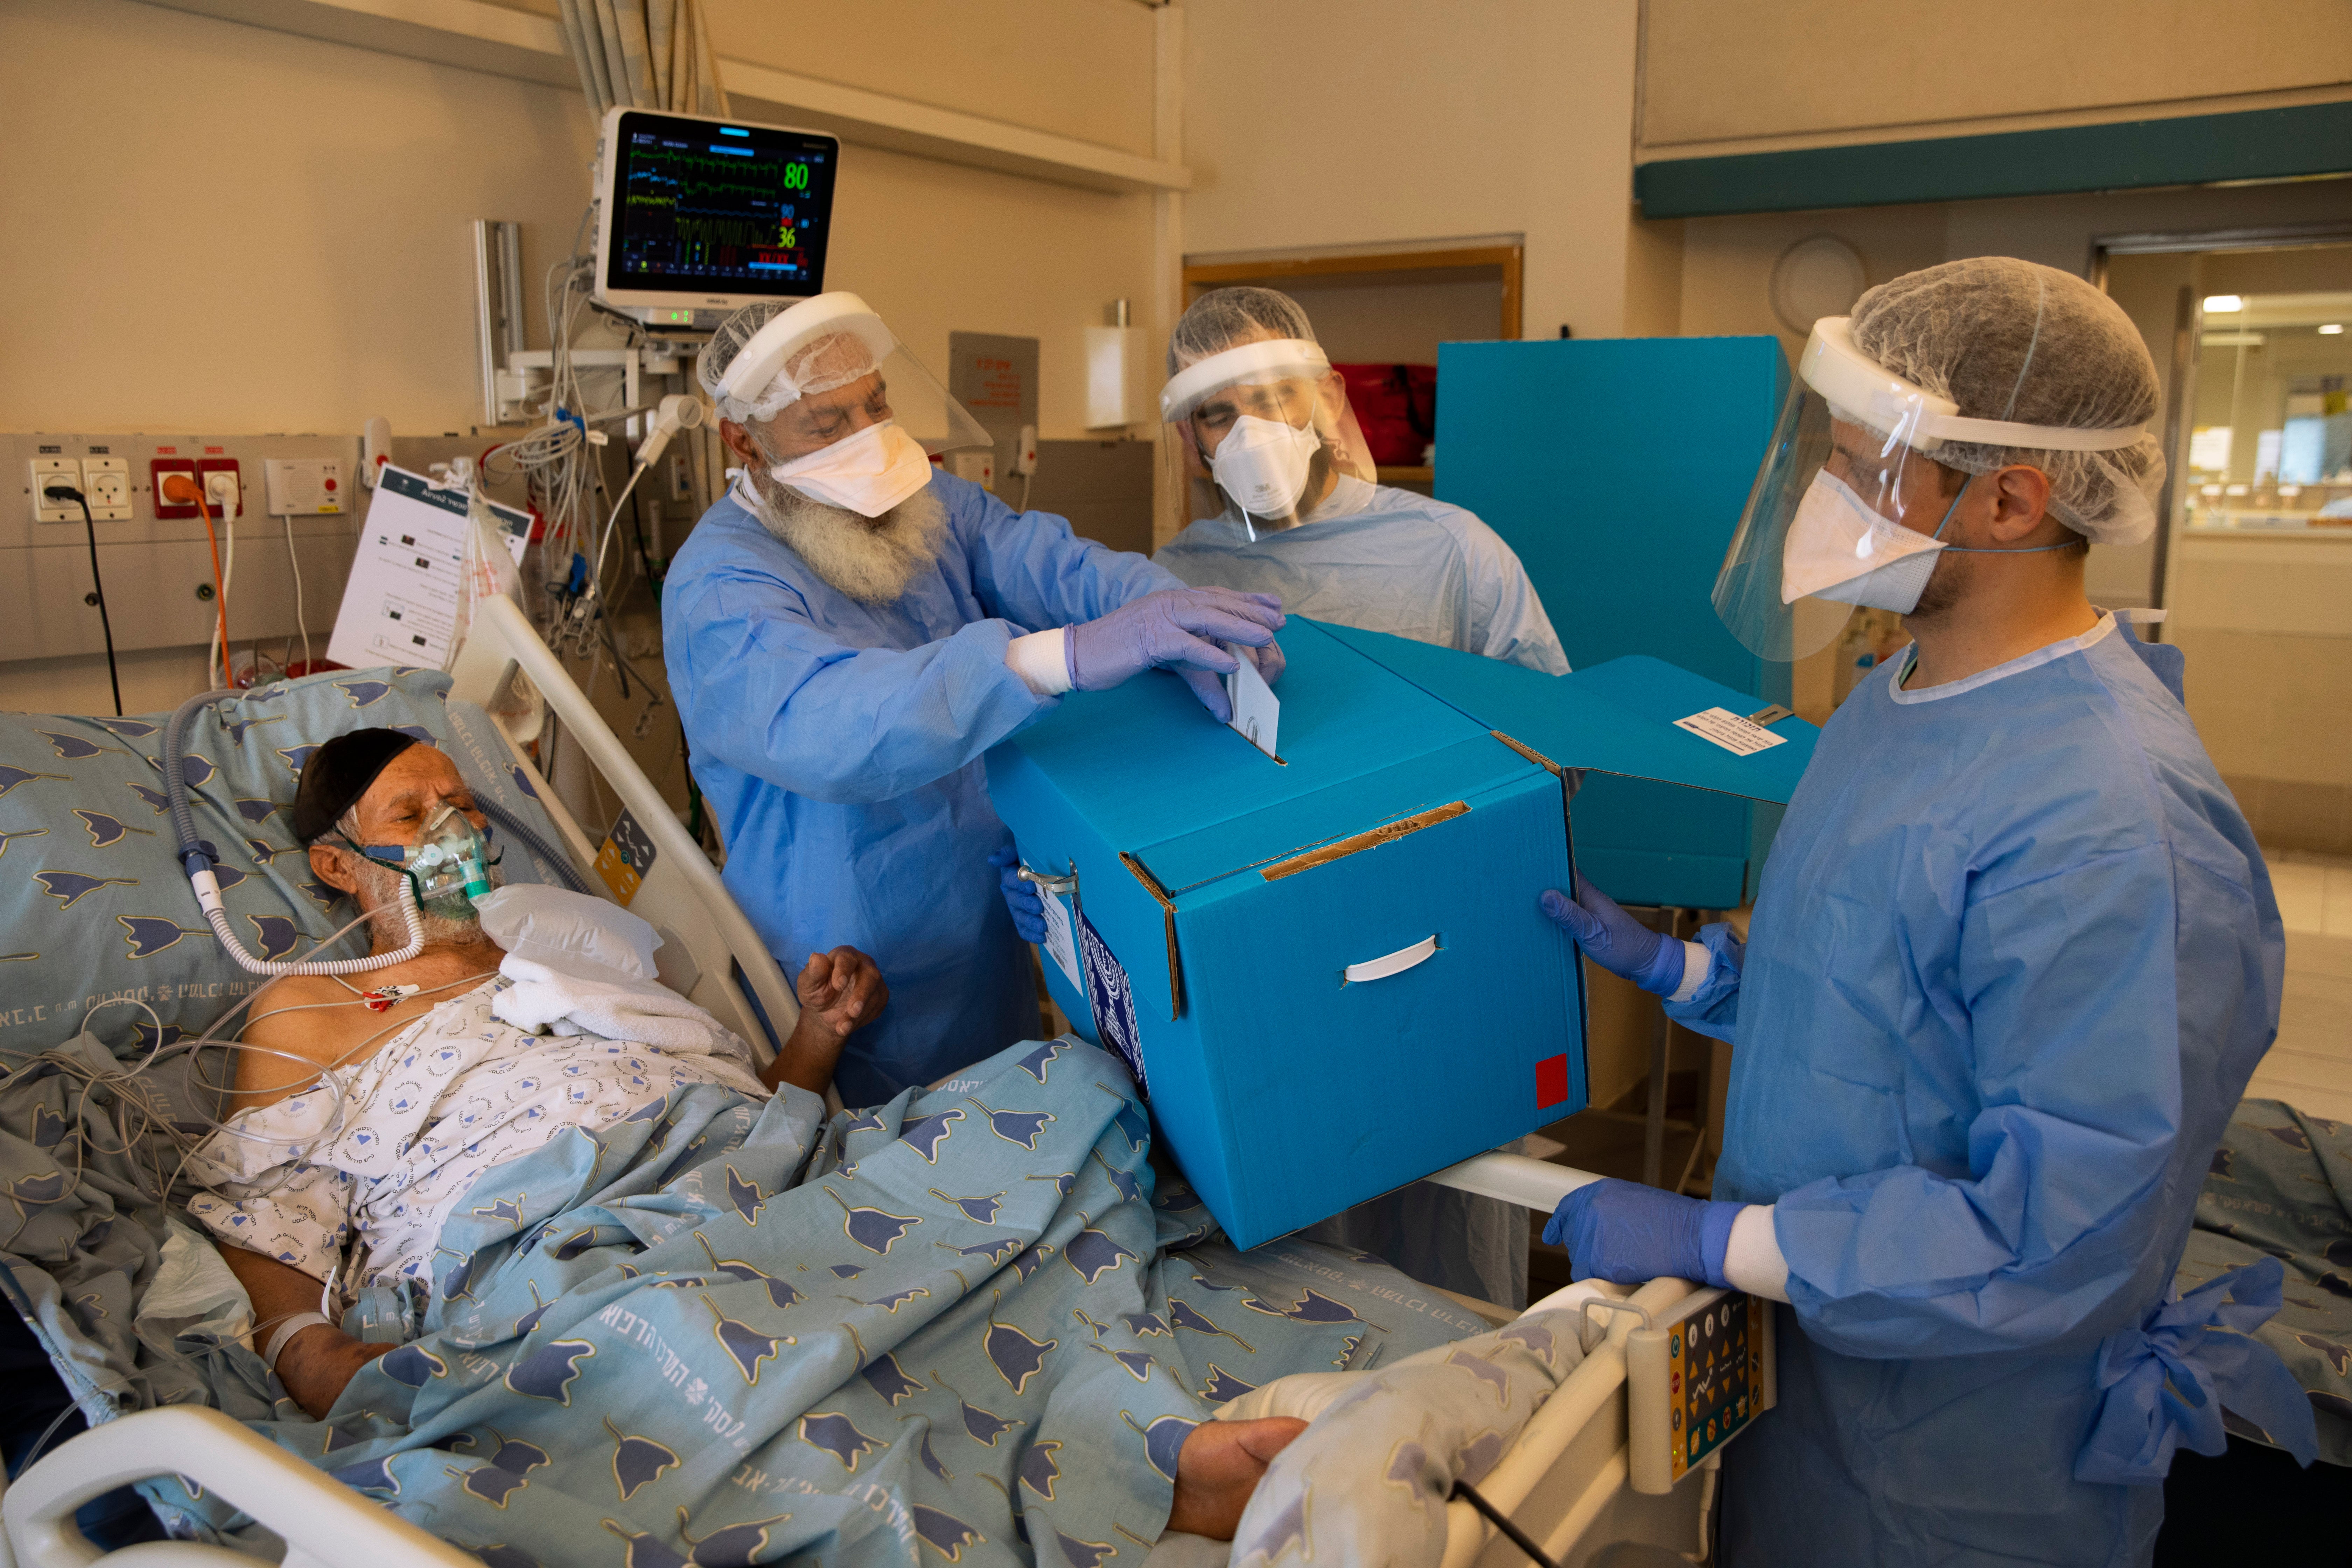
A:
{"x": 643, "y": 54}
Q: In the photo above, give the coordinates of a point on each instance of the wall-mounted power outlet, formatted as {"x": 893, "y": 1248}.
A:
{"x": 107, "y": 482}
{"x": 47, "y": 471}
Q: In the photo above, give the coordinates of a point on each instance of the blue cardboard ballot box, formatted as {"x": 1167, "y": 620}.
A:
{"x": 1329, "y": 968}
{"x": 1617, "y": 469}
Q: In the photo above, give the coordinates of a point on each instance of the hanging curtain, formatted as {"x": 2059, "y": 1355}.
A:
{"x": 643, "y": 54}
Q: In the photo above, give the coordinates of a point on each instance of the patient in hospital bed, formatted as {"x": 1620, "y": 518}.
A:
{"x": 626, "y": 1260}
{"x": 445, "y": 1067}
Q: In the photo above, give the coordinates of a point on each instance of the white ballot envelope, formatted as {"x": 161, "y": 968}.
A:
{"x": 1257, "y": 711}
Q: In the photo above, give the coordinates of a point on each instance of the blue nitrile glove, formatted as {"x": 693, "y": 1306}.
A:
{"x": 1628, "y": 1234}
{"x": 1023, "y": 900}
{"x": 1615, "y": 940}
{"x": 1175, "y": 628}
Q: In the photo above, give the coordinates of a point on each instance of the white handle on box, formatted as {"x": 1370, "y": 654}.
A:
{"x": 1396, "y": 962}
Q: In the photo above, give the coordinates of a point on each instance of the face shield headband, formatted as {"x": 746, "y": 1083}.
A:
{"x": 1825, "y": 528}
{"x": 1262, "y": 463}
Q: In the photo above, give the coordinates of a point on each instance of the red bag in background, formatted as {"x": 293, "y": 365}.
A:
{"x": 1397, "y": 406}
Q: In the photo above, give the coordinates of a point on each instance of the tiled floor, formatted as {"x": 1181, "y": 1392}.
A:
{"x": 2310, "y": 1066}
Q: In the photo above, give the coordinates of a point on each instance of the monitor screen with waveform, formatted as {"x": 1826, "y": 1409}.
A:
{"x": 706, "y": 208}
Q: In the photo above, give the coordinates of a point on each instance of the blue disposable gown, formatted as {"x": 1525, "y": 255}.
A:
{"x": 2014, "y": 959}
{"x": 840, "y": 745}
{"x": 1390, "y": 561}
{"x": 1385, "y": 561}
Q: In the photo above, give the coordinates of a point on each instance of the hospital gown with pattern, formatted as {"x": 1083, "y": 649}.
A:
{"x": 453, "y": 1094}
{"x": 840, "y": 743}
{"x": 1381, "y": 560}
{"x": 2014, "y": 958}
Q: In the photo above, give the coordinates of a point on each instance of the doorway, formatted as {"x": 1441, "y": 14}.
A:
{"x": 2252, "y": 564}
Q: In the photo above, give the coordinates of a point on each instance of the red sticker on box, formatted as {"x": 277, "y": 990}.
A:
{"x": 1552, "y": 1080}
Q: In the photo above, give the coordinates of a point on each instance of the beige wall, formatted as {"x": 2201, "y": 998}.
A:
{"x": 1830, "y": 70}
{"x": 1076, "y": 68}
{"x": 1315, "y": 123}
{"x": 335, "y": 281}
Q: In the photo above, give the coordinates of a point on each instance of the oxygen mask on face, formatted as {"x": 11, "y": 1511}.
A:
{"x": 448, "y": 866}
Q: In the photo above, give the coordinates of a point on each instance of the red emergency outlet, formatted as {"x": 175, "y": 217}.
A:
{"x": 157, "y": 468}
{"x": 222, "y": 466}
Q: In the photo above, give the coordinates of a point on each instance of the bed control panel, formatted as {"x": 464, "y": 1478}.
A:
{"x": 1695, "y": 1378}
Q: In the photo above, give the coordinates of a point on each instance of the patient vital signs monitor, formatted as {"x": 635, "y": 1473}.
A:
{"x": 696, "y": 216}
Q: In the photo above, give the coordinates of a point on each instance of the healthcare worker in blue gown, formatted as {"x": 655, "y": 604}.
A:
{"x": 2014, "y": 958}
{"x": 850, "y": 629}
{"x": 1285, "y": 500}
{"x": 1281, "y": 485}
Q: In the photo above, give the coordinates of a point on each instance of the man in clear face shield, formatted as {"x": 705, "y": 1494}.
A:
{"x": 1287, "y": 501}
{"x": 2014, "y": 958}
{"x": 850, "y": 628}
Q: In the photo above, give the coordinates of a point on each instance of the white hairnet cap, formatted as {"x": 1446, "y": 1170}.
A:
{"x": 2024, "y": 343}
{"x": 1223, "y": 318}
{"x": 766, "y": 356}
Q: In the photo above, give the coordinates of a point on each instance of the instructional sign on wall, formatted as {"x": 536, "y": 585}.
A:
{"x": 400, "y": 604}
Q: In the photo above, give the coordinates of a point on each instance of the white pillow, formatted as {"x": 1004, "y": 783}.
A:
{"x": 576, "y": 934}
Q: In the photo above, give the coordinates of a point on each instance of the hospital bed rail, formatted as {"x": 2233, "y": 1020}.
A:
{"x": 709, "y": 952}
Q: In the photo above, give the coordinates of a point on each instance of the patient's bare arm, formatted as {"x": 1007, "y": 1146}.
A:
{"x": 840, "y": 993}
{"x": 1219, "y": 1467}
{"x": 316, "y": 1362}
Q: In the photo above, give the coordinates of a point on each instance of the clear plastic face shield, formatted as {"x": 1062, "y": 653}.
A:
{"x": 448, "y": 866}
{"x": 1267, "y": 425}
{"x": 1851, "y": 507}
{"x": 840, "y": 409}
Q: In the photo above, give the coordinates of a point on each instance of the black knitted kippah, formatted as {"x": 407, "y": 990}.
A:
{"x": 338, "y": 774}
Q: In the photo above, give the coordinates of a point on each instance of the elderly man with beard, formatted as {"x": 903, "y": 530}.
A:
{"x": 850, "y": 628}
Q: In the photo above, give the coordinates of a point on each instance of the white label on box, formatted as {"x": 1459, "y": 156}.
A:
{"x": 1113, "y": 1001}
{"x": 1061, "y": 942}
{"x": 1257, "y": 711}
{"x": 1730, "y": 732}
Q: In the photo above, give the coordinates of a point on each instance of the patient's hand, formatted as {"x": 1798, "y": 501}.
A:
{"x": 316, "y": 1363}
{"x": 840, "y": 993}
{"x": 1219, "y": 1467}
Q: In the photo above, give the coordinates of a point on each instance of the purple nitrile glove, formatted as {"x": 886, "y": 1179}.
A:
{"x": 1177, "y": 629}
{"x": 1615, "y": 940}
{"x": 1022, "y": 899}
{"x": 1628, "y": 1234}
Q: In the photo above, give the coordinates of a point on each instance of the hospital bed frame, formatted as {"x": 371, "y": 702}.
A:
{"x": 1565, "y": 1483}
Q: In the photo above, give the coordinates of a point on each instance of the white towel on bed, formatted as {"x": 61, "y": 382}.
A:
{"x": 644, "y": 1010}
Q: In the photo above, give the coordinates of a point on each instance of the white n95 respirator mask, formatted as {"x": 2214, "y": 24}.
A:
{"x": 1262, "y": 464}
{"x": 867, "y": 473}
{"x": 1841, "y": 549}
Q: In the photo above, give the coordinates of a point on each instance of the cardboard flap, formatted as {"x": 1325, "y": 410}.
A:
{"x": 1616, "y": 717}
{"x": 1151, "y": 766}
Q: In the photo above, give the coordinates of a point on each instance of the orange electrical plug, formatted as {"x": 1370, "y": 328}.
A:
{"x": 182, "y": 490}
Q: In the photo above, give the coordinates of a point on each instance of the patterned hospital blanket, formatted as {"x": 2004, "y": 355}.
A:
{"x": 969, "y": 1326}
{"x": 2281, "y": 1185}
